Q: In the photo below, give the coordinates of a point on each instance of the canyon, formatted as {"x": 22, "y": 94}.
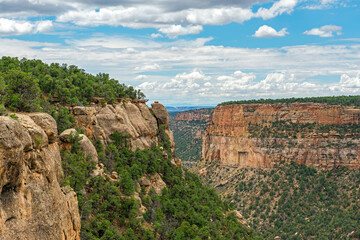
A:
{"x": 265, "y": 135}
{"x": 33, "y": 203}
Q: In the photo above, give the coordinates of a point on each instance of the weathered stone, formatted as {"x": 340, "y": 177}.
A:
{"x": 160, "y": 113}
{"x": 86, "y": 145}
{"x": 227, "y": 139}
{"x": 32, "y": 203}
{"x": 128, "y": 117}
{"x": 47, "y": 123}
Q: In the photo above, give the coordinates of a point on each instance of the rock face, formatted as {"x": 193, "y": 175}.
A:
{"x": 86, "y": 145}
{"x": 32, "y": 203}
{"x": 195, "y": 115}
{"x": 229, "y": 138}
{"x": 160, "y": 113}
{"x": 131, "y": 117}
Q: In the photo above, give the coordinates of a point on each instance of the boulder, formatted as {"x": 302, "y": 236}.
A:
{"x": 160, "y": 113}
{"x": 86, "y": 145}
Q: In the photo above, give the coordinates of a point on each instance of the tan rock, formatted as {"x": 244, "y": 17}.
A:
{"x": 47, "y": 123}
{"x": 154, "y": 181}
{"x": 160, "y": 113}
{"x": 228, "y": 142}
{"x": 32, "y": 204}
{"x": 86, "y": 145}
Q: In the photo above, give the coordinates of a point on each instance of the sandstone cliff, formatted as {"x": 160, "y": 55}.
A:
{"x": 195, "y": 115}
{"x": 32, "y": 203}
{"x": 249, "y": 135}
{"x": 131, "y": 117}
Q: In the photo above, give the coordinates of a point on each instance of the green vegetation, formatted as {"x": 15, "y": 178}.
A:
{"x": 29, "y": 85}
{"x": 187, "y": 137}
{"x": 109, "y": 210}
{"x": 334, "y": 100}
{"x": 298, "y": 202}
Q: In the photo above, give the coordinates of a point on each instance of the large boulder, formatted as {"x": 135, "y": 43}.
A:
{"x": 160, "y": 113}
{"x": 86, "y": 145}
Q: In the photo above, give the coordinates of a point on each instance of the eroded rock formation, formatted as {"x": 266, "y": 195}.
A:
{"x": 133, "y": 118}
{"x": 195, "y": 115}
{"x": 32, "y": 203}
{"x": 229, "y": 138}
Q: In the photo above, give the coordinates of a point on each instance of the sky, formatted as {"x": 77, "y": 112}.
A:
{"x": 196, "y": 52}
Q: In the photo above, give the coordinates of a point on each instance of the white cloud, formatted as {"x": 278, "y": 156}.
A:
{"x": 348, "y": 84}
{"x": 156, "y": 35}
{"x": 141, "y": 77}
{"x": 18, "y": 27}
{"x": 278, "y": 8}
{"x": 325, "y": 31}
{"x": 279, "y": 72}
{"x": 266, "y": 31}
{"x": 147, "y": 68}
{"x": 174, "y": 31}
{"x": 182, "y": 20}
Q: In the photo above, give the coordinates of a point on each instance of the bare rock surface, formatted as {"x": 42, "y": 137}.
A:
{"x": 131, "y": 118}
{"x": 228, "y": 141}
{"x": 32, "y": 203}
{"x": 86, "y": 145}
{"x": 160, "y": 113}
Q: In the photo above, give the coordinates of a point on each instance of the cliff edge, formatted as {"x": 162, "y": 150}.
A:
{"x": 32, "y": 203}
{"x": 263, "y": 135}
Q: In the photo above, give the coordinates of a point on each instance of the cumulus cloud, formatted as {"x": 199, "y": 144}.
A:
{"x": 278, "y": 8}
{"x": 147, "y": 68}
{"x": 156, "y": 35}
{"x": 279, "y": 72}
{"x": 17, "y": 27}
{"x": 348, "y": 84}
{"x": 184, "y": 19}
{"x": 267, "y": 31}
{"x": 238, "y": 85}
{"x": 174, "y": 31}
{"x": 325, "y": 31}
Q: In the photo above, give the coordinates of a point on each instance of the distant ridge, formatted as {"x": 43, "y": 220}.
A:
{"x": 185, "y": 108}
{"x": 351, "y": 100}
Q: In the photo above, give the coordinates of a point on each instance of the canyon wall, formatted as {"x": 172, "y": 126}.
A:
{"x": 263, "y": 135}
{"x": 195, "y": 115}
{"x": 32, "y": 203}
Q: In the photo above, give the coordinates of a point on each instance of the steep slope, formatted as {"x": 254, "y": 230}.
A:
{"x": 32, "y": 203}
{"x": 292, "y": 169}
{"x": 188, "y": 128}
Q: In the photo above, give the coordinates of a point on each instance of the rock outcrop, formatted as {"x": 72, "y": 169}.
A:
{"x": 230, "y": 141}
{"x": 32, "y": 203}
{"x": 86, "y": 145}
{"x": 195, "y": 115}
{"x": 131, "y": 117}
{"x": 160, "y": 113}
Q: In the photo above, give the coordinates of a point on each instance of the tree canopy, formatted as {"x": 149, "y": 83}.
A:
{"x": 28, "y": 85}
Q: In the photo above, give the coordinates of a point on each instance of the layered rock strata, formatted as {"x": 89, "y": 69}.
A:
{"x": 32, "y": 203}
{"x": 228, "y": 138}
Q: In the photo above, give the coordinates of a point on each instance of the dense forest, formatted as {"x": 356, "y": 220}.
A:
{"x": 31, "y": 85}
{"x": 293, "y": 201}
{"x": 331, "y": 100}
{"x": 186, "y": 209}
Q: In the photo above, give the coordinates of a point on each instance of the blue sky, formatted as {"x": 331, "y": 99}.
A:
{"x": 196, "y": 52}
